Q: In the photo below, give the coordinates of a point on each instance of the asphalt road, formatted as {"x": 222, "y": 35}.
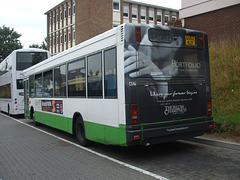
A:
{"x": 27, "y": 153}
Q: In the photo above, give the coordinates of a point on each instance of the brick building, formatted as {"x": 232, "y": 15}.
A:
{"x": 220, "y": 19}
{"x": 74, "y": 21}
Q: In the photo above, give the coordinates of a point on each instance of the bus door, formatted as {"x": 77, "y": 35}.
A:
{"x": 26, "y": 99}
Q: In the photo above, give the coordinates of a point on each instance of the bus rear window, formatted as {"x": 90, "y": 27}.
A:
{"x": 170, "y": 62}
{"x": 28, "y": 59}
{"x": 19, "y": 84}
{"x": 189, "y": 62}
{"x": 159, "y": 35}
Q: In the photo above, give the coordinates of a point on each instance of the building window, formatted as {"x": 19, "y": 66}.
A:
{"x": 57, "y": 39}
{"x": 50, "y": 20}
{"x": 53, "y": 18}
{"x": 125, "y": 10}
{"x": 174, "y": 17}
{"x": 74, "y": 34}
{"x": 69, "y": 35}
{"x": 61, "y": 14}
{"x": 134, "y": 12}
{"x": 159, "y": 16}
{"x": 151, "y": 15}
{"x": 50, "y": 40}
{"x": 143, "y": 13}
{"x": 57, "y": 16}
{"x": 74, "y": 8}
{"x": 60, "y": 37}
{"x": 116, "y": 5}
{"x": 65, "y": 36}
{"x": 53, "y": 40}
{"x": 166, "y": 17}
{"x": 65, "y": 12}
{"x": 69, "y": 10}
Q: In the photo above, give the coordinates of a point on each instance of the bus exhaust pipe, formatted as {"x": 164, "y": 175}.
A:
{"x": 147, "y": 144}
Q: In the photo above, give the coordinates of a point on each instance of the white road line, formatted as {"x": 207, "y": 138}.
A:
{"x": 94, "y": 152}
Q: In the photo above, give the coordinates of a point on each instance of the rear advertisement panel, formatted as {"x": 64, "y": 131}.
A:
{"x": 165, "y": 74}
{"x": 178, "y": 102}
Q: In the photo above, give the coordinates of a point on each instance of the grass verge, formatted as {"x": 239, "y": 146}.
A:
{"x": 225, "y": 79}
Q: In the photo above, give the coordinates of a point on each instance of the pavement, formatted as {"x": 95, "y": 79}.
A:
{"x": 27, "y": 153}
{"x": 212, "y": 142}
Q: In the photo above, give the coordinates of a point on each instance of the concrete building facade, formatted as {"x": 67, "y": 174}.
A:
{"x": 220, "y": 19}
{"x": 74, "y": 21}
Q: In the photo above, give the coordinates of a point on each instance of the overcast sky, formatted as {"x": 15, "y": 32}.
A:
{"x": 27, "y": 16}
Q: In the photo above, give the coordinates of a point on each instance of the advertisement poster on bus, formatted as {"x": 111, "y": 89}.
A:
{"x": 162, "y": 70}
{"x": 54, "y": 106}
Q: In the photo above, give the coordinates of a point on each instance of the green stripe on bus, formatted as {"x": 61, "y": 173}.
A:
{"x": 179, "y": 120}
{"x": 94, "y": 132}
{"x": 106, "y": 134}
{"x": 59, "y": 122}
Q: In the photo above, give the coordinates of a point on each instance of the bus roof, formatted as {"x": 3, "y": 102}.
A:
{"x": 26, "y": 50}
{"x": 56, "y": 58}
{"x": 71, "y": 52}
{"x": 30, "y": 50}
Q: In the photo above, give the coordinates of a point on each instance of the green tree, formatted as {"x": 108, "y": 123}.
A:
{"x": 42, "y": 46}
{"x": 8, "y": 41}
{"x": 34, "y": 46}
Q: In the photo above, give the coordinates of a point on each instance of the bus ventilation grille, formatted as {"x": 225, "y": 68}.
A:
{"x": 122, "y": 36}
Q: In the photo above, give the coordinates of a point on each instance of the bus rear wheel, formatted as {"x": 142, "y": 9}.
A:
{"x": 80, "y": 132}
{"x": 34, "y": 121}
{"x": 8, "y": 110}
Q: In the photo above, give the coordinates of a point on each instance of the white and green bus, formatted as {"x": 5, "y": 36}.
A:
{"x": 11, "y": 77}
{"x": 132, "y": 85}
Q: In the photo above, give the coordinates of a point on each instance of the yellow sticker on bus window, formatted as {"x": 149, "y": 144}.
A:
{"x": 190, "y": 40}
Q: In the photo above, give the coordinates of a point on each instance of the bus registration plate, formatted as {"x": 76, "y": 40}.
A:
{"x": 190, "y": 40}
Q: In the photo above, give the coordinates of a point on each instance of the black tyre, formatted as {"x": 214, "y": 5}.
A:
{"x": 34, "y": 121}
{"x": 9, "y": 110}
{"x": 80, "y": 132}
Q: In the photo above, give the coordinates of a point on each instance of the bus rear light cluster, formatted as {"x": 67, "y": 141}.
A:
{"x": 134, "y": 114}
{"x": 209, "y": 107}
{"x": 201, "y": 40}
{"x": 15, "y": 101}
{"x": 138, "y": 34}
{"x": 136, "y": 137}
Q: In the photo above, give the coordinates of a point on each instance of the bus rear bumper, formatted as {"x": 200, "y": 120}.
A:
{"x": 156, "y": 135}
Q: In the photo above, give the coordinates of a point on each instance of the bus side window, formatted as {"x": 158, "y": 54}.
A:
{"x": 110, "y": 74}
{"x": 60, "y": 81}
{"x": 9, "y": 65}
{"x": 31, "y": 86}
{"x": 95, "y": 76}
{"x": 38, "y": 85}
{"x": 48, "y": 84}
{"x": 77, "y": 78}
